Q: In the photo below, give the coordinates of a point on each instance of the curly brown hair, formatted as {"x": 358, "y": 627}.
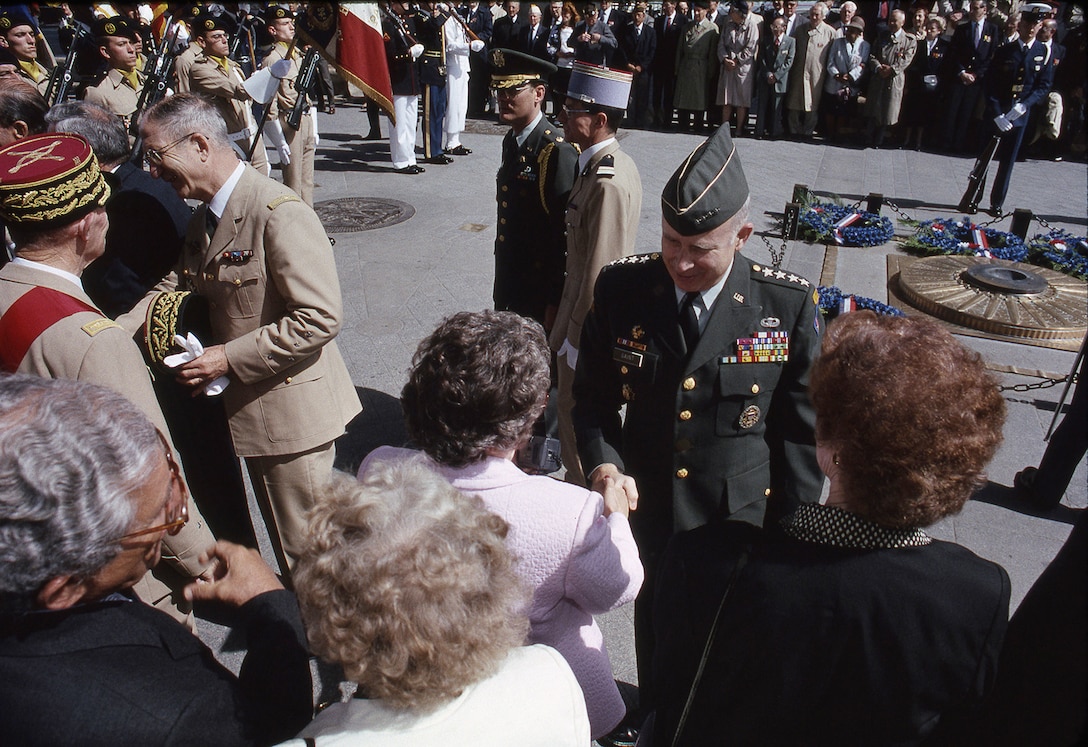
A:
{"x": 912, "y": 415}
{"x": 478, "y": 383}
{"x": 407, "y": 583}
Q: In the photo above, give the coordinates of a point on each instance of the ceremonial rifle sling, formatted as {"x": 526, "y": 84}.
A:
{"x": 36, "y": 311}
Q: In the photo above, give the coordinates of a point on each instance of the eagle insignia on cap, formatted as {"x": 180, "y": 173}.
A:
{"x": 497, "y": 58}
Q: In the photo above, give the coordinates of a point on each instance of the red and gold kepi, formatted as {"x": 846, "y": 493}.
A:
{"x": 49, "y": 180}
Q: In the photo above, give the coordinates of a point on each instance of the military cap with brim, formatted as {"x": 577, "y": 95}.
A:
{"x": 1035, "y": 11}
{"x": 598, "y": 85}
{"x": 115, "y": 26}
{"x": 708, "y": 189}
{"x": 49, "y": 180}
{"x": 510, "y": 68}
{"x": 12, "y": 17}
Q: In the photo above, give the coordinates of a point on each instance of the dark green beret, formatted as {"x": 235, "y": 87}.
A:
{"x": 708, "y": 189}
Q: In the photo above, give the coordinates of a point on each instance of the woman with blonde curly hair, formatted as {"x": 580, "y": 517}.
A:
{"x": 478, "y": 384}
{"x": 408, "y": 585}
{"x": 855, "y": 626}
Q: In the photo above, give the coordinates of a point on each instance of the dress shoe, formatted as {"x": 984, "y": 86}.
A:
{"x": 1024, "y": 482}
{"x": 621, "y": 736}
{"x": 994, "y": 211}
{"x": 412, "y": 169}
{"x": 460, "y": 150}
{"x": 373, "y": 135}
{"x": 441, "y": 159}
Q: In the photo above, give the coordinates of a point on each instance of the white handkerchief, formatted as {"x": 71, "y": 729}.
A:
{"x": 193, "y": 349}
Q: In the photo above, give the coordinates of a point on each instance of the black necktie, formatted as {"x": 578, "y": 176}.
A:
{"x": 689, "y": 322}
{"x": 210, "y": 223}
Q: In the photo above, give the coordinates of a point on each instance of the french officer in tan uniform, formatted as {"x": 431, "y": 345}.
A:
{"x": 51, "y": 198}
{"x": 261, "y": 258}
{"x": 18, "y": 33}
{"x": 119, "y": 90}
{"x": 296, "y": 147}
{"x": 220, "y": 78}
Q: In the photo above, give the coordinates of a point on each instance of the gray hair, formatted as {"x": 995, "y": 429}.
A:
{"x": 22, "y": 102}
{"x": 185, "y": 113}
{"x": 849, "y": 5}
{"x": 71, "y": 454}
{"x": 102, "y": 128}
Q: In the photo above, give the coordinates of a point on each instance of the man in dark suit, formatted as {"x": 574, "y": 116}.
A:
{"x": 506, "y": 28}
{"x": 593, "y": 40}
{"x": 970, "y": 51}
{"x": 70, "y": 630}
{"x": 668, "y": 26}
{"x": 639, "y": 46}
{"x": 533, "y": 183}
{"x": 706, "y": 433}
{"x": 533, "y": 36}
{"x": 1019, "y": 78}
{"x": 775, "y": 61}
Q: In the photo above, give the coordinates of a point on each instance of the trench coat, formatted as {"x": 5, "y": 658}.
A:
{"x": 696, "y": 62}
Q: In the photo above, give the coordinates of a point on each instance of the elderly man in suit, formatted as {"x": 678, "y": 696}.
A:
{"x": 668, "y": 26}
{"x": 714, "y": 427}
{"x": 220, "y": 79}
{"x": 533, "y": 36}
{"x": 602, "y": 221}
{"x": 775, "y": 61}
{"x": 593, "y": 40}
{"x": 807, "y": 75}
{"x": 82, "y": 523}
{"x": 261, "y": 258}
{"x": 639, "y": 44}
{"x": 51, "y": 198}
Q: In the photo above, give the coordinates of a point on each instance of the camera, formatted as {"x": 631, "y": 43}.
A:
{"x": 540, "y": 456}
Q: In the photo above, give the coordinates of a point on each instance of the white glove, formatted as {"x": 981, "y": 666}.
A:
{"x": 274, "y": 132}
{"x": 193, "y": 350}
{"x": 1003, "y": 123}
{"x": 443, "y": 7}
{"x": 415, "y": 51}
{"x": 476, "y": 45}
{"x": 1015, "y": 113}
{"x": 313, "y": 116}
{"x": 571, "y": 354}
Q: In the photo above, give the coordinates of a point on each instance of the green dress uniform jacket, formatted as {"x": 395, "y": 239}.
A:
{"x": 533, "y": 183}
{"x": 702, "y": 437}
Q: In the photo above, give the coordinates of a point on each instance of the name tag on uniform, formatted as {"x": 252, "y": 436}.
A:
{"x": 628, "y": 357}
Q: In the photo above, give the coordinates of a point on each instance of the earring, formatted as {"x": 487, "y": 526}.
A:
{"x": 835, "y": 460}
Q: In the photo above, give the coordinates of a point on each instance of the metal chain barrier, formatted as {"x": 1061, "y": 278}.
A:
{"x": 898, "y": 211}
{"x": 1044, "y": 384}
{"x": 1042, "y": 222}
{"x": 778, "y": 255}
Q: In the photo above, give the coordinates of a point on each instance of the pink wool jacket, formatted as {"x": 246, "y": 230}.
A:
{"x": 578, "y": 563}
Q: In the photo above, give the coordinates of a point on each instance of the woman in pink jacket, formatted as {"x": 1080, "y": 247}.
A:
{"x": 477, "y": 385}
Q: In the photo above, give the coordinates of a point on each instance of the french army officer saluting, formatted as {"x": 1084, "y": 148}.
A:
{"x": 710, "y": 352}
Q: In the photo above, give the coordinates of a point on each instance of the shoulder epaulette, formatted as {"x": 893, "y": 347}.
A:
{"x": 93, "y": 328}
{"x": 635, "y": 259}
{"x": 283, "y": 199}
{"x": 779, "y": 277}
{"x": 606, "y": 167}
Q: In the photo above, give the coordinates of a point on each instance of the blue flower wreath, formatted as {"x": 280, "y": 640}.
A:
{"x": 1061, "y": 251}
{"x": 817, "y": 224}
{"x": 948, "y": 236}
{"x": 831, "y": 299}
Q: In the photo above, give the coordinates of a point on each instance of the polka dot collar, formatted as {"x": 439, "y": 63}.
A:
{"x": 827, "y": 525}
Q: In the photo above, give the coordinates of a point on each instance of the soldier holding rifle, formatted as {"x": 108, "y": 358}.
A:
{"x": 296, "y": 144}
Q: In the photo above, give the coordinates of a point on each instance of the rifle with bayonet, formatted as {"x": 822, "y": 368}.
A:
{"x": 304, "y": 83}
{"x": 157, "y": 71}
{"x": 60, "y": 80}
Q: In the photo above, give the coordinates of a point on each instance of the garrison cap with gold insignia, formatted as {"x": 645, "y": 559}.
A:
{"x": 510, "y": 69}
{"x": 708, "y": 189}
{"x": 115, "y": 26}
{"x": 49, "y": 180}
{"x": 12, "y": 17}
{"x": 598, "y": 85}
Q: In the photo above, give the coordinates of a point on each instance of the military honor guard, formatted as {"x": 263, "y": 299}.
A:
{"x": 402, "y": 49}
{"x": 534, "y": 180}
{"x": 296, "y": 147}
{"x": 52, "y": 198}
{"x": 220, "y": 79}
{"x": 1018, "y": 79}
{"x": 18, "y": 33}
{"x": 710, "y": 353}
{"x": 459, "y": 51}
{"x": 119, "y": 89}
{"x": 430, "y": 31}
{"x": 260, "y": 257}
{"x": 602, "y": 219}
{"x": 189, "y": 22}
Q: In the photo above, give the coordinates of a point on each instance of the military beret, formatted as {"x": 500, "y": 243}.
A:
{"x": 598, "y": 85}
{"x": 205, "y": 23}
{"x": 49, "y": 180}
{"x": 707, "y": 189}
{"x": 510, "y": 68}
{"x": 12, "y": 17}
{"x": 191, "y": 11}
{"x": 115, "y": 26}
{"x": 276, "y": 13}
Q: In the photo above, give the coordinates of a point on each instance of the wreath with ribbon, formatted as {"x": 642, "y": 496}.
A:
{"x": 828, "y": 223}
{"x": 834, "y": 302}
{"x": 1060, "y": 250}
{"x": 948, "y": 236}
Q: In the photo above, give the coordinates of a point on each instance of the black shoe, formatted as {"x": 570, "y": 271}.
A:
{"x": 413, "y": 169}
{"x": 373, "y": 135}
{"x": 1024, "y": 482}
{"x": 440, "y": 160}
{"x": 460, "y": 150}
{"x": 621, "y": 736}
{"x": 994, "y": 211}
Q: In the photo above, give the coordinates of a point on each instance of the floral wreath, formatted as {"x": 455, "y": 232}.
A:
{"x": 826, "y": 222}
{"x": 947, "y": 236}
{"x": 1061, "y": 251}
{"x": 834, "y": 302}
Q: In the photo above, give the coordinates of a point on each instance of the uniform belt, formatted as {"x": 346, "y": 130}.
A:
{"x": 436, "y": 53}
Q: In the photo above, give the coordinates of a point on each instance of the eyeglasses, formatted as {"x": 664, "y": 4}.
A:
{"x": 153, "y": 156}
{"x": 178, "y": 509}
{"x": 567, "y": 111}
{"x": 512, "y": 92}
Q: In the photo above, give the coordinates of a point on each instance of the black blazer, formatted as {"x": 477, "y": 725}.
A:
{"x": 125, "y": 673}
{"x": 820, "y": 645}
{"x": 639, "y": 49}
{"x": 963, "y": 56}
{"x": 505, "y": 30}
{"x": 539, "y": 46}
{"x": 665, "y": 55}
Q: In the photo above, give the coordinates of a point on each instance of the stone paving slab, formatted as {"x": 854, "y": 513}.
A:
{"x": 398, "y": 282}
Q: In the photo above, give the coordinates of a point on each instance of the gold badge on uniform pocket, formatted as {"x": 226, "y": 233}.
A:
{"x": 749, "y": 417}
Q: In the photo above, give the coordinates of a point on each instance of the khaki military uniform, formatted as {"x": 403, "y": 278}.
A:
{"x": 87, "y": 346}
{"x": 39, "y": 78}
{"x": 224, "y": 89}
{"x": 183, "y": 63}
{"x": 115, "y": 93}
{"x": 299, "y": 174}
{"x": 274, "y": 296}
{"x": 602, "y": 220}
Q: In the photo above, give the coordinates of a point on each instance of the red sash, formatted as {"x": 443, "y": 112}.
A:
{"x": 36, "y": 311}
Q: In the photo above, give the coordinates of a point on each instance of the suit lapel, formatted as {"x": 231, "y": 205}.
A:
{"x": 734, "y": 314}
{"x": 232, "y": 215}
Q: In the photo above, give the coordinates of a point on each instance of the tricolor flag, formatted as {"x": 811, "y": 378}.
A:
{"x": 843, "y": 223}
{"x": 349, "y": 35}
